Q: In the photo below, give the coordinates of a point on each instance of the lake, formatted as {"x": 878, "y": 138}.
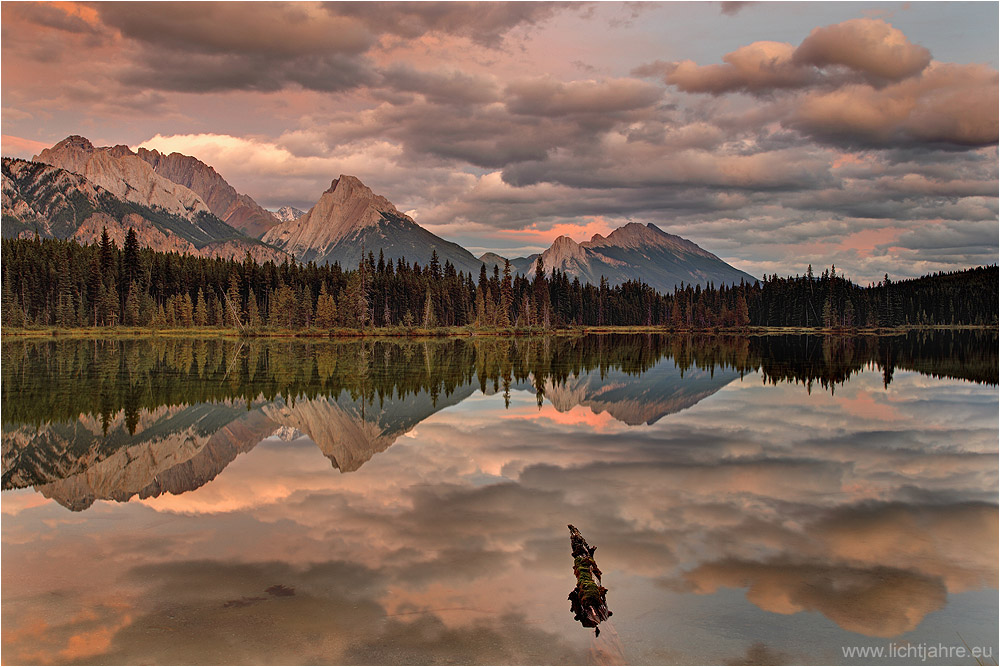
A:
{"x": 754, "y": 500}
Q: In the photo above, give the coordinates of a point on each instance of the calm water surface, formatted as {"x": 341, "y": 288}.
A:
{"x": 762, "y": 500}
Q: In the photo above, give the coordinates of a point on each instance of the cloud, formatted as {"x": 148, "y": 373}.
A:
{"x": 484, "y": 24}
{"x": 273, "y": 30}
{"x": 20, "y": 147}
{"x": 757, "y": 68}
{"x": 869, "y": 50}
{"x": 544, "y": 96}
{"x": 947, "y": 105}
{"x": 868, "y": 46}
{"x": 732, "y": 7}
{"x": 441, "y": 86}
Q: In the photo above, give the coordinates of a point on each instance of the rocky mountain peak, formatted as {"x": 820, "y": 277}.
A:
{"x": 121, "y": 172}
{"x": 74, "y": 141}
{"x": 350, "y": 187}
{"x": 344, "y": 209}
{"x": 288, "y": 213}
{"x": 636, "y": 236}
{"x": 349, "y": 217}
{"x": 565, "y": 242}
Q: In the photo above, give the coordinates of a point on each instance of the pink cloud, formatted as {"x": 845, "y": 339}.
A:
{"x": 20, "y": 147}
{"x": 948, "y": 103}
{"x": 869, "y": 46}
{"x": 578, "y": 231}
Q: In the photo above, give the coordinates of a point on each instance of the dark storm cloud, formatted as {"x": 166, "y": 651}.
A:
{"x": 205, "y": 73}
{"x": 264, "y": 46}
{"x": 956, "y": 235}
{"x": 439, "y": 87}
{"x": 545, "y": 96}
{"x": 281, "y": 30}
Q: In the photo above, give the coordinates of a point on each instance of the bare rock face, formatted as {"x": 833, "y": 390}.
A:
{"x": 124, "y": 174}
{"x": 235, "y": 209}
{"x": 346, "y": 207}
{"x": 343, "y": 436}
{"x": 288, "y": 213}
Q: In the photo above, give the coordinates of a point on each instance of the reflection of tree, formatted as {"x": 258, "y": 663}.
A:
{"x": 44, "y": 381}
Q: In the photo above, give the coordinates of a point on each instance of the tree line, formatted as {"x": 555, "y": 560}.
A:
{"x": 55, "y": 381}
{"x": 51, "y": 282}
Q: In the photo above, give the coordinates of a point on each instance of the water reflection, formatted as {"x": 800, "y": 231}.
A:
{"x": 739, "y": 511}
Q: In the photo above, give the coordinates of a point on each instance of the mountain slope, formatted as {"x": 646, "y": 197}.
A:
{"x": 349, "y": 216}
{"x": 56, "y": 203}
{"x": 122, "y": 173}
{"x": 632, "y": 252}
{"x": 235, "y": 209}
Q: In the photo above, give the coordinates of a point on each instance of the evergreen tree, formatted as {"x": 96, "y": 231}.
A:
{"x": 200, "y": 309}
{"x": 131, "y": 313}
{"x": 326, "y": 310}
{"x": 506, "y": 296}
{"x": 253, "y": 312}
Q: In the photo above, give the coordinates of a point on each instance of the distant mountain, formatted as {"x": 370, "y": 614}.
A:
{"x": 288, "y": 213}
{"x": 235, "y": 209}
{"x": 632, "y": 252}
{"x": 56, "y": 203}
{"x": 349, "y": 216}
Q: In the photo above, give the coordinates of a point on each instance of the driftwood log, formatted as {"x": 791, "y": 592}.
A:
{"x": 587, "y": 600}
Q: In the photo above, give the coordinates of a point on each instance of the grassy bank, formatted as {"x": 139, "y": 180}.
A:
{"x": 443, "y": 332}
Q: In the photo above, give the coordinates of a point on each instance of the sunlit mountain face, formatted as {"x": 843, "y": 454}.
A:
{"x": 770, "y": 497}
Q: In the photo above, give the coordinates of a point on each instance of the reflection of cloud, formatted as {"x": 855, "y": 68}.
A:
{"x": 880, "y": 602}
{"x": 759, "y": 654}
{"x": 450, "y": 544}
{"x": 333, "y": 618}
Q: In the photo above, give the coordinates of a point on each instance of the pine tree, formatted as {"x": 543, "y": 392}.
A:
{"x": 430, "y": 320}
{"x": 130, "y": 258}
{"x": 253, "y": 312}
{"x": 234, "y": 310}
{"x": 200, "y": 309}
{"x": 131, "y": 313}
{"x": 326, "y": 309}
{"x": 506, "y": 296}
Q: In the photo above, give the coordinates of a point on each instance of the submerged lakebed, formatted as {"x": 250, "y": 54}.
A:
{"x": 767, "y": 498}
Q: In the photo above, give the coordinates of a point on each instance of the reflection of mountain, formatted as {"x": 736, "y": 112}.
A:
{"x": 351, "y": 431}
{"x": 639, "y": 399}
{"x": 175, "y": 450}
{"x": 88, "y": 420}
{"x": 172, "y": 449}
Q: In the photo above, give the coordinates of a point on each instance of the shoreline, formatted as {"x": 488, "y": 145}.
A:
{"x": 457, "y": 332}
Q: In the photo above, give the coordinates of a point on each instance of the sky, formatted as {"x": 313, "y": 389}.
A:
{"x": 775, "y": 135}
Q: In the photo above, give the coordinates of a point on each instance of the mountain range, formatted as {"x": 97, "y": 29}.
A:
{"x": 178, "y": 203}
{"x": 631, "y": 252}
{"x": 179, "y": 448}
